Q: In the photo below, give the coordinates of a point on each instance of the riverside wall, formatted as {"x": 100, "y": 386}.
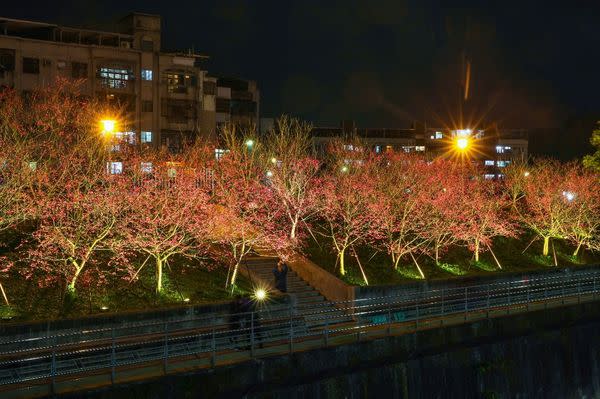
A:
{"x": 543, "y": 354}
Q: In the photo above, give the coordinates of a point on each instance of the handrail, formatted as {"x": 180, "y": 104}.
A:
{"x": 339, "y": 304}
{"x": 314, "y": 322}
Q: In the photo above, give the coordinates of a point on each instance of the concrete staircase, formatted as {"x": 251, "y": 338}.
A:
{"x": 309, "y": 304}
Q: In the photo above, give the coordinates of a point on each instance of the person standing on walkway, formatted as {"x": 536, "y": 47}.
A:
{"x": 236, "y": 322}
{"x": 280, "y": 274}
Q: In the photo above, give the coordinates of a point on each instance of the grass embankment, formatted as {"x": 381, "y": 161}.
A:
{"x": 185, "y": 280}
{"x": 458, "y": 261}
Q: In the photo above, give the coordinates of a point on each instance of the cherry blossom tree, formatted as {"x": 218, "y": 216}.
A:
{"x": 295, "y": 189}
{"x": 515, "y": 175}
{"x": 349, "y": 200}
{"x": 582, "y": 191}
{"x": 483, "y": 213}
{"x": 165, "y": 209}
{"x": 49, "y": 144}
{"x": 442, "y": 201}
{"x": 73, "y": 227}
{"x": 292, "y": 173}
{"x": 248, "y": 215}
{"x": 547, "y": 202}
{"x": 402, "y": 217}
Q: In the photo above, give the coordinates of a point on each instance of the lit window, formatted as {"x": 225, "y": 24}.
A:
{"x": 178, "y": 83}
{"x": 489, "y": 176}
{"x": 146, "y": 74}
{"x": 115, "y": 78}
{"x": 115, "y": 148}
{"x": 389, "y": 148}
{"x": 463, "y": 132}
{"x": 420, "y": 148}
{"x": 439, "y": 135}
{"x": 171, "y": 172}
{"x": 407, "y": 148}
{"x": 348, "y": 147}
{"x": 489, "y": 162}
{"x": 114, "y": 168}
{"x": 146, "y": 137}
{"x": 377, "y": 149}
{"x": 500, "y": 149}
{"x": 33, "y": 165}
{"x": 219, "y": 152}
{"x": 146, "y": 167}
{"x": 128, "y": 137}
{"x": 501, "y": 164}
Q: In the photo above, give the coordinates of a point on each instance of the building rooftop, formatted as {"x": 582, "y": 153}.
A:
{"x": 57, "y": 33}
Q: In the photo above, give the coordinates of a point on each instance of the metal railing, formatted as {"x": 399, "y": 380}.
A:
{"x": 277, "y": 329}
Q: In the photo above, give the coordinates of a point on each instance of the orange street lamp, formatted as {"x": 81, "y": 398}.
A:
{"x": 108, "y": 126}
{"x": 462, "y": 143}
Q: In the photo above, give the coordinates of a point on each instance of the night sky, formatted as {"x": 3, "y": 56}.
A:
{"x": 386, "y": 63}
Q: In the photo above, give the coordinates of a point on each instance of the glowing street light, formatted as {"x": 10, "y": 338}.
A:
{"x": 269, "y": 173}
{"x": 108, "y": 126}
{"x": 570, "y": 196}
{"x": 462, "y": 143}
{"x": 273, "y": 160}
{"x": 344, "y": 169}
{"x": 249, "y": 143}
{"x": 260, "y": 294}
{"x": 526, "y": 173}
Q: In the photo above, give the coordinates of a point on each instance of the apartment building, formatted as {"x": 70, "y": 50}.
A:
{"x": 379, "y": 139}
{"x": 493, "y": 148}
{"x": 237, "y": 102}
{"x": 169, "y": 96}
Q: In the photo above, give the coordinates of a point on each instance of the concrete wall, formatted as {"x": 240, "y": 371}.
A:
{"x": 326, "y": 283}
{"x": 544, "y": 354}
{"x": 414, "y": 288}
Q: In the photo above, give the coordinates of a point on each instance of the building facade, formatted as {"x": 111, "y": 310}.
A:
{"x": 237, "y": 102}
{"x": 168, "y": 96}
{"x": 492, "y": 148}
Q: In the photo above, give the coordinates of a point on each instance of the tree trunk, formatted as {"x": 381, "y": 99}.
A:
{"x": 159, "y": 272}
{"x": 546, "y": 248}
{"x": 437, "y": 254}
{"x": 417, "y": 264}
{"x": 71, "y": 285}
{"x": 477, "y": 250}
{"x": 396, "y": 262}
{"x": 577, "y": 250}
{"x": 294, "y": 228}
{"x": 234, "y": 275}
{"x": 341, "y": 256}
{"x": 4, "y": 295}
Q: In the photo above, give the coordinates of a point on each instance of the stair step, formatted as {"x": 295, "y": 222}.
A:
{"x": 308, "y": 291}
{"x": 304, "y": 294}
{"x": 309, "y": 300}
